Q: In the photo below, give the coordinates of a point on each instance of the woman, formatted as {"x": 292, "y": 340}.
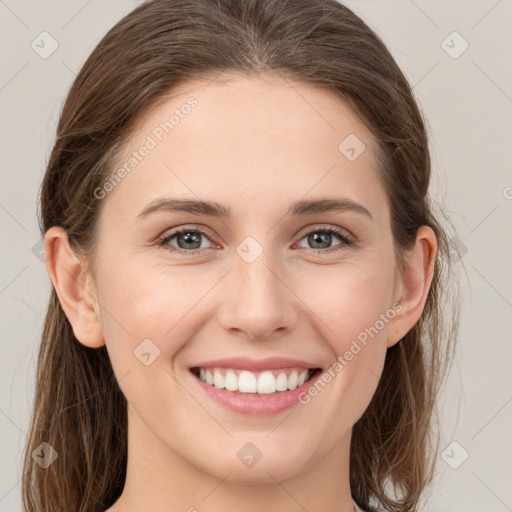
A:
{"x": 247, "y": 273}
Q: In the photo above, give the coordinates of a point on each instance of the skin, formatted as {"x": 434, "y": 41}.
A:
{"x": 254, "y": 145}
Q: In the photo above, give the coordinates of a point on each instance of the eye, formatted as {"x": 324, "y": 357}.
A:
{"x": 187, "y": 240}
{"x": 190, "y": 240}
{"x": 321, "y": 238}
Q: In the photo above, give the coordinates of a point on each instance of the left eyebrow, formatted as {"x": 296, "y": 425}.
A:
{"x": 213, "y": 209}
{"x": 323, "y": 205}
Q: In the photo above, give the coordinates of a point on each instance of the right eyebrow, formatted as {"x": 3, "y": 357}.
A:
{"x": 185, "y": 205}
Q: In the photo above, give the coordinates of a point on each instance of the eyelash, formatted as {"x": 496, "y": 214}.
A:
{"x": 346, "y": 239}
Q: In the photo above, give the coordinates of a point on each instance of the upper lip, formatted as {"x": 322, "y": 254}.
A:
{"x": 246, "y": 363}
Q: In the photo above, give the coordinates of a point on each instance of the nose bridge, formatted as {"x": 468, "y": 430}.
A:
{"x": 258, "y": 301}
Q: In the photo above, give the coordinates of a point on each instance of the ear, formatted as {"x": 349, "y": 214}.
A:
{"x": 413, "y": 284}
{"x": 74, "y": 286}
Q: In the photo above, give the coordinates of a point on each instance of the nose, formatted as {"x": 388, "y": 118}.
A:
{"x": 258, "y": 302}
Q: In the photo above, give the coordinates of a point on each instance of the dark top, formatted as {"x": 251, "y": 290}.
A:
{"x": 363, "y": 509}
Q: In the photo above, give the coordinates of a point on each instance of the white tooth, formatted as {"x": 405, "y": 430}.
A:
{"x": 266, "y": 383}
{"x": 247, "y": 382}
{"x": 292, "y": 380}
{"x": 218, "y": 379}
{"x": 282, "y": 382}
{"x": 231, "y": 381}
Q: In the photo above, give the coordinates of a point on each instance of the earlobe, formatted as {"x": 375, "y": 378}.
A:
{"x": 74, "y": 286}
{"x": 415, "y": 280}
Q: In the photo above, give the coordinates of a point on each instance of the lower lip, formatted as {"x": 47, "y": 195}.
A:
{"x": 253, "y": 404}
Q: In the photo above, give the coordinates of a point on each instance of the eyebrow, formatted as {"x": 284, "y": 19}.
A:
{"x": 214, "y": 209}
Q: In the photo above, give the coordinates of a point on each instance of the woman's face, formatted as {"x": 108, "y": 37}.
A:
{"x": 266, "y": 280}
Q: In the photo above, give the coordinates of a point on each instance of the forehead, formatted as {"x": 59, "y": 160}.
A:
{"x": 248, "y": 141}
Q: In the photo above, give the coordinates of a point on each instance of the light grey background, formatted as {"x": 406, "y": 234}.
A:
{"x": 467, "y": 101}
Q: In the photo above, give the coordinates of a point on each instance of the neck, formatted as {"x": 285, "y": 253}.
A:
{"x": 160, "y": 479}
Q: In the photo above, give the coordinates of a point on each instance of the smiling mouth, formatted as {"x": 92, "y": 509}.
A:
{"x": 247, "y": 382}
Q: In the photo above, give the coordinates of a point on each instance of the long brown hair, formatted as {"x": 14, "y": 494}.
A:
{"x": 79, "y": 409}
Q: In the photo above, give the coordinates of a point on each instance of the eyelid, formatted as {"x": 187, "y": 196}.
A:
{"x": 327, "y": 227}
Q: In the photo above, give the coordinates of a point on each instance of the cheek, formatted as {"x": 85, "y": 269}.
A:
{"x": 151, "y": 316}
{"x": 348, "y": 301}
{"x": 353, "y": 311}
{"x": 143, "y": 302}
